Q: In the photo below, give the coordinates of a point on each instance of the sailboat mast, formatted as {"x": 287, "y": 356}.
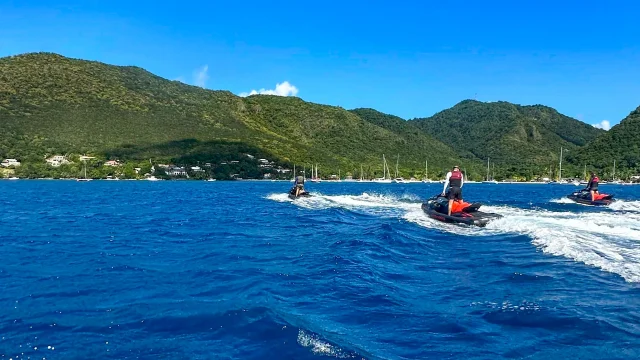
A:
{"x": 397, "y": 161}
{"x": 614, "y": 170}
{"x": 488, "y": 168}
{"x": 384, "y": 167}
{"x": 560, "y": 173}
{"x": 426, "y": 169}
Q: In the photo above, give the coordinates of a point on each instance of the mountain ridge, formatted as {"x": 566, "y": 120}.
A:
{"x": 506, "y": 132}
{"x": 620, "y": 143}
{"x": 51, "y": 103}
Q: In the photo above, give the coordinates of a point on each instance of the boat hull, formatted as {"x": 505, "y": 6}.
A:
{"x": 585, "y": 199}
{"x": 470, "y": 216}
{"x": 304, "y": 194}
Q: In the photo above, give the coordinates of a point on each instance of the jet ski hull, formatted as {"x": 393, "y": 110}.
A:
{"x": 469, "y": 216}
{"x": 585, "y": 199}
{"x": 292, "y": 194}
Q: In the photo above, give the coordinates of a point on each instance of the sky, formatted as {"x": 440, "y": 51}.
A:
{"x": 406, "y": 58}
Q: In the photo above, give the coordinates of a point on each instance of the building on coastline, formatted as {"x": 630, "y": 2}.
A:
{"x": 10, "y": 163}
{"x": 57, "y": 160}
{"x": 112, "y": 163}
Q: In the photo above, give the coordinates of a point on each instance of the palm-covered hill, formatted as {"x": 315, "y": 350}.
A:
{"x": 621, "y": 143}
{"x": 50, "y": 104}
{"x": 432, "y": 149}
{"x": 53, "y": 104}
{"x": 507, "y": 133}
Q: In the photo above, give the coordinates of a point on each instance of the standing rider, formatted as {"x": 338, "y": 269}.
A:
{"x": 592, "y": 187}
{"x": 454, "y": 181}
{"x": 299, "y": 185}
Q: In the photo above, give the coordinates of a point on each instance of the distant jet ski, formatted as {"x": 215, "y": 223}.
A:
{"x": 303, "y": 193}
{"x": 584, "y": 197}
{"x": 461, "y": 212}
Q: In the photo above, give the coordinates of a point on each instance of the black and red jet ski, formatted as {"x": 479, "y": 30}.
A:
{"x": 303, "y": 193}
{"x": 584, "y": 197}
{"x": 461, "y": 212}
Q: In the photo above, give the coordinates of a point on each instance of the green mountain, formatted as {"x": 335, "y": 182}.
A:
{"x": 509, "y": 134}
{"x": 52, "y": 104}
{"x": 621, "y": 143}
{"x": 437, "y": 152}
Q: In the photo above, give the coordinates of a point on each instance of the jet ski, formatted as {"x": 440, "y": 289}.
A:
{"x": 584, "y": 197}
{"x": 303, "y": 193}
{"x": 461, "y": 212}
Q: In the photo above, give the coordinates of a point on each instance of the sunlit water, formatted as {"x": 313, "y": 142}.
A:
{"x": 220, "y": 270}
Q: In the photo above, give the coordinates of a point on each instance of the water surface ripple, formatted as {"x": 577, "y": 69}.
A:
{"x": 202, "y": 270}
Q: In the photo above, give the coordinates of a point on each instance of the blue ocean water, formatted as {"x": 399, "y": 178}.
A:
{"x": 236, "y": 270}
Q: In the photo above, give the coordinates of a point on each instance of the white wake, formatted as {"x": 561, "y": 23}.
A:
{"x": 365, "y": 203}
{"x": 609, "y": 240}
{"x": 622, "y": 205}
{"x": 563, "y": 200}
{"x": 617, "y": 205}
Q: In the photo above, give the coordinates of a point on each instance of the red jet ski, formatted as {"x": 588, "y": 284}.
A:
{"x": 461, "y": 212}
{"x": 584, "y": 197}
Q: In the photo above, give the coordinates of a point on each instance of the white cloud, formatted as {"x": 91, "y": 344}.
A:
{"x": 604, "y": 124}
{"x": 201, "y": 76}
{"x": 282, "y": 89}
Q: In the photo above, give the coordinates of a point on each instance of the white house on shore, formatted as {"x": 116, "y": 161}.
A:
{"x": 57, "y": 160}
{"x": 10, "y": 162}
{"x": 112, "y": 163}
{"x": 176, "y": 171}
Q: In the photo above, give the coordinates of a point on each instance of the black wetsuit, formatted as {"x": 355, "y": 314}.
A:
{"x": 593, "y": 183}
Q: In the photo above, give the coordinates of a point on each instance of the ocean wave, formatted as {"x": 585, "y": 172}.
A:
{"x": 607, "y": 240}
{"x": 360, "y": 271}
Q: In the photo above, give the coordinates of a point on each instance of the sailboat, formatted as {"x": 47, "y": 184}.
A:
{"x": 613, "y": 180}
{"x": 337, "y": 179}
{"x": 314, "y": 175}
{"x": 560, "y": 180}
{"x": 385, "y": 171}
{"x": 584, "y": 177}
{"x": 361, "y": 174}
{"x": 85, "y": 173}
{"x": 397, "y": 178}
{"x": 492, "y": 181}
{"x": 426, "y": 173}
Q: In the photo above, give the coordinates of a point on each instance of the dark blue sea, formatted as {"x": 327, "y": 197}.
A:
{"x": 236, "y": 270}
